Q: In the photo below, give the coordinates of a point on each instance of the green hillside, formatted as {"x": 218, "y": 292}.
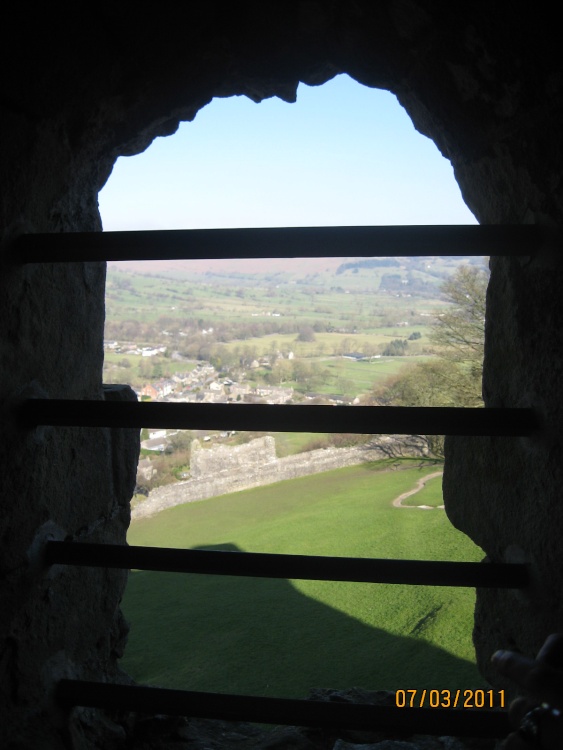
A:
{"x": 272, "y": 637}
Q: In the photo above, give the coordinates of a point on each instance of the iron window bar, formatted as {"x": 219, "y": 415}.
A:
{"x": 377, "y": 420}
{"x": 288, "y": 242}
{"x": 304, "y": 567}
{"x": 293, "y": 712}
{"x": 258, "y": 243}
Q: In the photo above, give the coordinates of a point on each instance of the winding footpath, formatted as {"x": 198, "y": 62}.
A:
{"x": 398, "y": 501}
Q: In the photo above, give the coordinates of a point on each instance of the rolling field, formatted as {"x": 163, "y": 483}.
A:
{"x": 277, "y": 637}
{"x": 328, "y": 344}
{"x": 364, "y": 375}
{"x": 347, "y": 300}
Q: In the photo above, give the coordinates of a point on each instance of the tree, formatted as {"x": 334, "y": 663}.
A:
{"x": 462, "y": 328}
{"x": 396, "y": 348}
{"x": 432, "y": 383}
{"x": 306, "y": 334}
{"x": 454, "y": 378}
{"x": 459, "y": 331}
{"x": 281, "y": 372}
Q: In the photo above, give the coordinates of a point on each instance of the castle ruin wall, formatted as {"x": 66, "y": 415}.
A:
{"x": 222, "y": 469}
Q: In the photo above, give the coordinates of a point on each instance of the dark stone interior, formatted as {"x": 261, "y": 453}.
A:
{"x": 81, "y": 88}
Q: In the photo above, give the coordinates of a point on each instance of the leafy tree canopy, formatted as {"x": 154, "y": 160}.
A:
{"x": 307, "y": 334}
{"x": 454, "y": 378}
{"x": 460, "y": 330}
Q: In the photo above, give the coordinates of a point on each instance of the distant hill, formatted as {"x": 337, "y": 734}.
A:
{"x": 299, "y": 266}
{"x": 439, "y": 266}
{"x": 369, "y": 263}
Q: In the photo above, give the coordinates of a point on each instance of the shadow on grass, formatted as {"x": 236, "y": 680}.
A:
{"x": 264, "y": 637}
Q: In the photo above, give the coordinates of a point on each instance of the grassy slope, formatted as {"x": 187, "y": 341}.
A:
{"x": 430, "y": 494}
{"x": 273, "y": 637}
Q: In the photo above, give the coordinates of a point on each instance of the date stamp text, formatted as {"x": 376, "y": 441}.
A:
{"x": 423, "y": 698}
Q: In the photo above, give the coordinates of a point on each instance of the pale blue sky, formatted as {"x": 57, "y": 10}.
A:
{"x": 343, "y": 154}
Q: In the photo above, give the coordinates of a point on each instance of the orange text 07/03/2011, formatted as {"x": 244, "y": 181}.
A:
{"x": 460, "y": 698}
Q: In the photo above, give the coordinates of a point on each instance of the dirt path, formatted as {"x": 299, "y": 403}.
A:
{"x": 398, "y": 501}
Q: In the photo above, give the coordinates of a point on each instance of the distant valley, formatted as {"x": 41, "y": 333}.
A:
{"x": 321, "y": 330}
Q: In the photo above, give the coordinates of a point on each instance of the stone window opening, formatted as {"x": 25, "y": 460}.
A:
{"x": 296, "y": 105}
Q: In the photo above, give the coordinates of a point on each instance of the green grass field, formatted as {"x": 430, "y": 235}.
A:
{"x": 430, "y": 495}
{"x": 275, "y": 637}
{"x": 349, "y": 300}
{"x": 327, "y": 344}
{"x": 364, "y": 375}
{"x": 289, "y": 443}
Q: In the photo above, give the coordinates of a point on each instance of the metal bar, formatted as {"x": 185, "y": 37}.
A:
{"x": 287, "y": 242}
{"x": 371, "y": 420}
{"x": 260, "y": 565}
{"x": 327, "y": 715}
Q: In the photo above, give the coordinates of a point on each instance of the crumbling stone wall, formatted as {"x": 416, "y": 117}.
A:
{"x": 223, "y": 459}
{"x": 223, "y": 469}
{"x": 83, "y": 86}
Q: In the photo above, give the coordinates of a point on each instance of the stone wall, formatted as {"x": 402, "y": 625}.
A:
{"x": 221, "y": 460}
{"x": 220, "y": 470}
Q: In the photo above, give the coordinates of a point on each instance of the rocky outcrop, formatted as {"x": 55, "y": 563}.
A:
{"x": 162, "y": 733}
